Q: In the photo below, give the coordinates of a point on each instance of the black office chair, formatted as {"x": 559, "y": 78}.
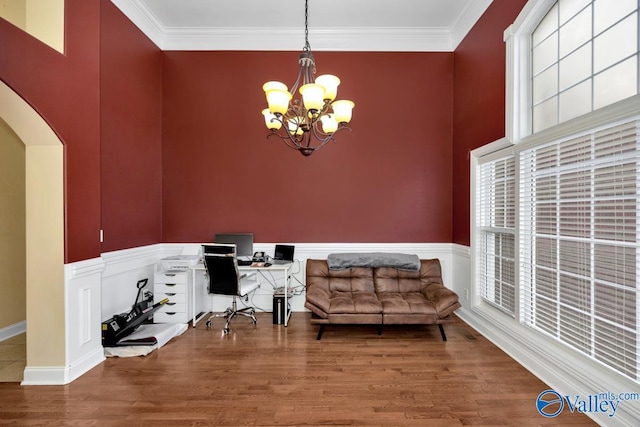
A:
{"x": 224, "y": 279}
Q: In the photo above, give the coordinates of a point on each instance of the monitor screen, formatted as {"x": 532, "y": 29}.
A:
{"x": 243, "y": 242}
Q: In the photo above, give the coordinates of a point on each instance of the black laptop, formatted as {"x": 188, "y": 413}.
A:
{"x": 283, "y": 254}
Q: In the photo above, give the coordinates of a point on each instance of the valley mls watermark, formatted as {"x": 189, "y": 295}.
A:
{"x": 550, "y": 403}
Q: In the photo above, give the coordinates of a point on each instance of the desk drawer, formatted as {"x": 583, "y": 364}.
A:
{"x": 170, "y": 317}
{"x": 172, "y": 307}
{"x": 166, "y": 277}
{"x": 169, "y": 288}
{"x": 174, "y": 297}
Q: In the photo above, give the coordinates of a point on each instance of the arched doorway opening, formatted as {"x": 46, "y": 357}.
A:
{"x": 44, "y": 196}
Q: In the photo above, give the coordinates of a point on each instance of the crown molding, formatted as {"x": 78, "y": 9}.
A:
{"x": 143, "y": 19}
{"x": 467, "y": 19}
{"x": 323, "y": 39}
{"x": 371, "y": 39}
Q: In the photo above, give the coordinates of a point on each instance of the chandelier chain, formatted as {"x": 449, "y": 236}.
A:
{"x": 307, "y": 47}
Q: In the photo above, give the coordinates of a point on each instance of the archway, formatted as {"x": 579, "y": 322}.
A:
{"x": 44, "y": 194}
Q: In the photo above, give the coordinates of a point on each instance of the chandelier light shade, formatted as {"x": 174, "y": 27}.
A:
{"x": 308, "y": 122}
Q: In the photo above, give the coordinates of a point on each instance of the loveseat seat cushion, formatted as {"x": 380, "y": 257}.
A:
{"x": 354, "y": 303}
{"x": 407, "y": 307}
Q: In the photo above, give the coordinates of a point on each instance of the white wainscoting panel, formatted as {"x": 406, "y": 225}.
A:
{"x": 122, "y": 271}
{"x": 83, "y": 302}
{"x": 83, "y": 339}
{"x": 124, "y": 268}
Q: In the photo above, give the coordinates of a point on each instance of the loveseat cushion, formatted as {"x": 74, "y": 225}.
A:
{"x": 354, "y": 303}
{"x": 407, "y": 307}
{"x": 400, "y": 281}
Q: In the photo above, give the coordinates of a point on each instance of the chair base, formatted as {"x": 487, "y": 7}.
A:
{"x": 232, "y": 312}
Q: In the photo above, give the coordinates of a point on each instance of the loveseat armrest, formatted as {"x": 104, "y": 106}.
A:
{"x": 444, "y": 299}
{"x": 319, "y": 297}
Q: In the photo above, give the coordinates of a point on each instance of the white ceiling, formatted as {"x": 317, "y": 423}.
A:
{"x": 337, "y": 25}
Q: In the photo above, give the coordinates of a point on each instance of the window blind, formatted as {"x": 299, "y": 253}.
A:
{"x": 496, "y": 232}
{"x": 579, "y": 240}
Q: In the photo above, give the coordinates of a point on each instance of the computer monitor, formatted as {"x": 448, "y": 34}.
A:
{"x": 243, "y": 242}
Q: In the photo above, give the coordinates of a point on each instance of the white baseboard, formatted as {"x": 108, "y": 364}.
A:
{"x": 13, "y": 330}
{"x": 60, "y": 375}
{"x": 45, "y": 375}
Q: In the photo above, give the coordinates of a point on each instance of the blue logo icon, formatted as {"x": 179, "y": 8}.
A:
{"x": 549, "y": 403}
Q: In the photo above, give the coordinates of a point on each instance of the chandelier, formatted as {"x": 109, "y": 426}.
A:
{"x": 309, "y": 124}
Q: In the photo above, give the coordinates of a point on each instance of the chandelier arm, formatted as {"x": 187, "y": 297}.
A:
{"x": 293, "y": 140}
{"x": 323, "y": 138}
{"x": 309, "y": 70}
{"x": 300, "y": 78}
{"x": 286, "y": 138}
{"x": 320, "y": 135}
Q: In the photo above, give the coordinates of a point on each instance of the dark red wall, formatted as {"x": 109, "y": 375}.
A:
{"x": 479, "y": 100}
{"x": 103, "y": 98}
{"x": 131, "y": 123}
{"x": 389, "y": 180}
{"x": 65, "y": 90}
{"x": 400, "y": 176}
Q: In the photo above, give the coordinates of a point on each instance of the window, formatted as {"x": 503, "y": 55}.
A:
{"x": 557, "y": 219}
{"x": 496, "y": 232}
{"x": 579, "y": 238}
{"x": 567, "y": 58}
{"x": 578, "y": 62}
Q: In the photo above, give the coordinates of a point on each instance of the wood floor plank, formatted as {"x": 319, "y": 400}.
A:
{"x": 269, "y": 375}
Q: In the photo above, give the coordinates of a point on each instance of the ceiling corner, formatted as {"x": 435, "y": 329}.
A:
{"x": 142, "y": 18}
{"x": 467, "y": 19}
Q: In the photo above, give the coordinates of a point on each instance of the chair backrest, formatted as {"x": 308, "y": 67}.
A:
{"x": 222, "y": 268}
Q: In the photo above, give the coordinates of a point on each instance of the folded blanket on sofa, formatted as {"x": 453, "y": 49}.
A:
{"x": 341, "y": 261}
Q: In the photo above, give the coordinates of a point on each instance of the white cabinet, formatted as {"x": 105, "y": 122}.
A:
{"x": 177, "y": 286}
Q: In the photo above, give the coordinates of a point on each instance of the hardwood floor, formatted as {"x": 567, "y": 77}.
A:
{"x": 270, "y": 375}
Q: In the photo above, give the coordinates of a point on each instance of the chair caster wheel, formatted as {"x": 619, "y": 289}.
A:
{"x": 226, "y": 330}
{"x": 208, "y": 324}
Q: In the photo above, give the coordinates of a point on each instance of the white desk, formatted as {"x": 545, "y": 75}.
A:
{"x": 285, "y": 268}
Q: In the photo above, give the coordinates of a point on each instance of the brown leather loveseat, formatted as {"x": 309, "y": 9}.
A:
{"x": 378, "y": 295}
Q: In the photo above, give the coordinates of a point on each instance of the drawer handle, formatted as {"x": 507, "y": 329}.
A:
{"x": 170, "y": 275}
{"x": 170, "y": 294}
{"x": 171, "y": 303}
{"x": 170, "y": 313}
{"x": 170, "y": 284}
